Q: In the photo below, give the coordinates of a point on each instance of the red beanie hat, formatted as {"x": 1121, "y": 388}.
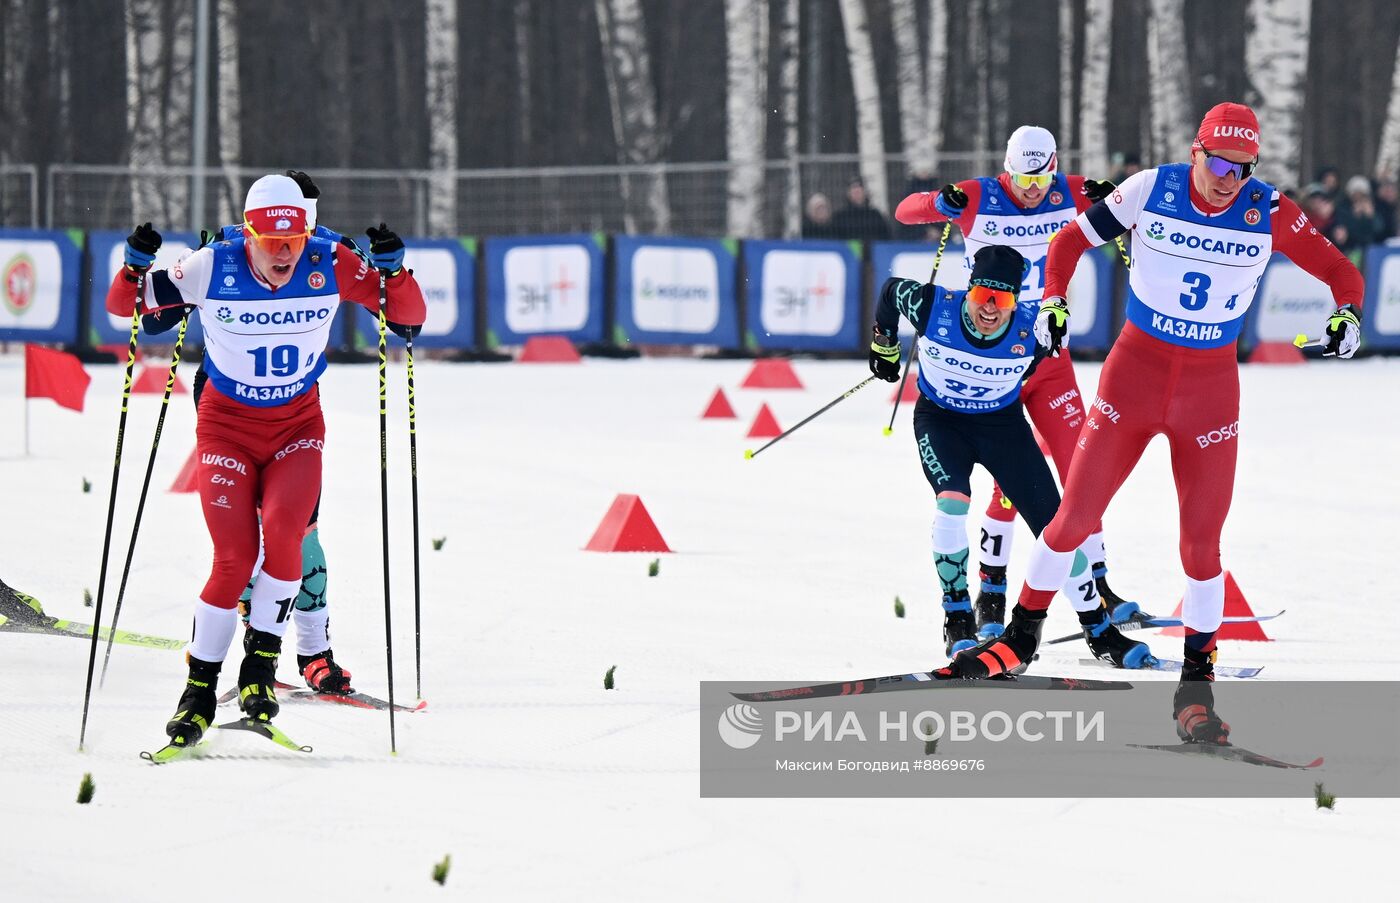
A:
{"x": 1229, "y": 126}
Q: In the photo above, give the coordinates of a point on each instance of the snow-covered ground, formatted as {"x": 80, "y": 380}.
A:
{"x": 540, "y": 784}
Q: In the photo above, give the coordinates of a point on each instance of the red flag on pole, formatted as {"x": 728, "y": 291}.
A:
{"x": 56, "y": 375}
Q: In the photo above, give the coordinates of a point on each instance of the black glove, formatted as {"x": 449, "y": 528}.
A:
{"x": 884, "y": 356}
{"x": 308, "y": 187}
{"x": 951, "y": 201}
{"x": 1097, "y": 191}
{"x": 385, "y": 249}
{"x": 141, "y": 247}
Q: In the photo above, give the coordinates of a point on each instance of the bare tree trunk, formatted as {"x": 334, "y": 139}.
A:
{"x": 1276, "y": 62}
{"x": 1092, "y": 129}
{"x": 999, "y": 70}
{"x": 789, "y": 42}
{"x": 159, "y": 69}
{"x": 870, "y": 134}
{"x": 745, "y": 23}
{"x": 977, "y": 54}
{"x": 1166, "y": 62}
{"x": 936, "y": 76}
{"x": 1388, "y": 154}
{"x": 632, "y": 96}
{"x": 441, "y": 72}
{"x": 524, "y": 14}
{"x": 1065, "y": 135}
{"x": 230, "y": 113}
{"x": 913, "y": 104}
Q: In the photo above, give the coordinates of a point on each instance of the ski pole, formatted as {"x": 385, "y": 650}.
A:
{"x": 112, "y": 503}
{"x": 384, "y": 494}
{"x": 1118, "y": 240}
{"x": 749, "y": 453}
{"x": 413, "y": 476}
{"x": 914, "y": 345}
{"x": 145, "y": 486}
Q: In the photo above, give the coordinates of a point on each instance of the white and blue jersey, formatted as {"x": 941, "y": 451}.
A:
{"x": 262, "y": 347}
{"x": 1193, "y": 275}
{"x": 959, "y": 370}
{"x": 999, "y": 220}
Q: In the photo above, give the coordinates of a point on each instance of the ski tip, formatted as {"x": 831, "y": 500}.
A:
{"x": 422, "y": 704}
{"x": 1314, "y": 763}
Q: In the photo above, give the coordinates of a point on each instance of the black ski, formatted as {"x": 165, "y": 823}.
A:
{"x": 924, "y": 680}
{"x": 1140, "y": 619}
{"x": 1231, "y": 753}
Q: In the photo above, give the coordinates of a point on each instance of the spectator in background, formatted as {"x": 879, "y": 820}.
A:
{"x": 1330, "y": 181}
{"x": 858, "y": 220}
{"x": 1357, "y": 224}
{"x": 1387, "y": 193}
{"x": 817, "y": 221}
{"x": 1132, "y": 163}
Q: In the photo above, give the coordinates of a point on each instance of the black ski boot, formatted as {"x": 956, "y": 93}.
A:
{"x": 257, "y": 679}
{"x": 991, "y": 602}
{"x": 195, "y": 711}
{"x": 1109, "y": 645}
{"x": 959, "y": 626}
{"x": 1120, "y": 610}
{"x": 323, "y": 675}
{"x": 1193, "y": 705}
{"x": 1010, "y": 653}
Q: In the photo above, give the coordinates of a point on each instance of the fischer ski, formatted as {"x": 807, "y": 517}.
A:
{"x": 924, "y": 680}
{"x": 264, "y": 729}
{"x": 290, "y": 693}
{"x": 60, "y": 627}
{"x": 1139, "y": 620}
{"x": 1230, "y": 753}
{"x": 1174, "y": 664}
{"x": 170, "y": 752}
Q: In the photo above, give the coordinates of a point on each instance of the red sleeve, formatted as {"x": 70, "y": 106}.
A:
{"x": 1076, "y": 191}
{"x": 1068, "y": 245}
{"x": 1296, "y": 238}
{"x": 918, "y": 207}
{"x": 360, "y": 285}
{"x": 121, "y": 295}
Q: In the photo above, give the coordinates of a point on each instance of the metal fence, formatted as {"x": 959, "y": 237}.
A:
{"x": 487, "y": 202}
{"x": 19, "y": 195}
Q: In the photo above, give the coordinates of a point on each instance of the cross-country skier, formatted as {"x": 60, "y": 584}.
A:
{"x": 1202, "y": 235}
{"x": 266, "y": 302}
{"x": 1023, "y": 208}
{"x": 975, "y": 350}
{"x": 311, "y": 615}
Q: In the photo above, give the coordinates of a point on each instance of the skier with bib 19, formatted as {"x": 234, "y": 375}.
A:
{"x": 266, "y": 301}
{"x": 1202, "y": 234}
{"x": 1022, "y": 208}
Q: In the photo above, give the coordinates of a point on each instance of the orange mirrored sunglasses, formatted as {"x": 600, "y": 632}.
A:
{"x": 273, "y": 242}
{"x": 1027, "y": 180}
{"x": 981, "y": 294}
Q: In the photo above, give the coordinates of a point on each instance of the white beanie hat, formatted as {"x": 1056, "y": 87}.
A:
{"x": 1031, "y": 151}
{"x": 274, "y": 199}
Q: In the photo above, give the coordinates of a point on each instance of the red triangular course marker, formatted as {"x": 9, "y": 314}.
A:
{"x": 719, "y": 408}
{"x": 1276, "y": 353}
{"x": 627, "y": 527}
{"x": 911, "y": 392}
{"x": 187, "y": 480}
{"x": 1235, "y": 607}
{"x": 771, "y": 373}
{"x": 549, "y": 349}
{"x": 765, "y": 425}
{"x": 152, "y": 382}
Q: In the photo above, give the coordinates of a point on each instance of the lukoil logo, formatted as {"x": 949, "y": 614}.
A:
{"x": 740, "y": 726}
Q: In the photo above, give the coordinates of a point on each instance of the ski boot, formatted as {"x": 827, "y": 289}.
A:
{"x": 1008, "y": 654}
{"x": 195, "y": 711}
{"x": 1120, "y": 610}
{"x": 1109, "y": 645}
{"x": 1193, "y": 705}
{"x": 257, "y": 679}
{"x": 959, "y": 627}
{"x": 991, "y": 602}
{"x": 323, "y": 674}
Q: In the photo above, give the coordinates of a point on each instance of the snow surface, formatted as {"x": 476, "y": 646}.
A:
{"x": 544, "y": 786}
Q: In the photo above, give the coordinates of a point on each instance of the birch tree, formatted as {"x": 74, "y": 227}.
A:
{"x": 1065, "y": 135}
{"x": 1092, "y": 130}
{"x": 1276, "y": 61}
{"x": 746, "y": 29}
{"x": 159, "y": 79}
{"x": 936, "y": 77}
{"x": 999, "y": 71}
{"x": 1388, "y": 154}
{"x": 230, "y": 113}
{"x": 977, "y": 56}
{"x": 913, "y": 100}
{"x": 1166, "y": 63}
{"x": 441, "y": 74}
{"x": 632, "y": 98}
{"x": 523, "y": 10}
{"x": 870, "y": 134}
{"x": 789, "y": 40}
